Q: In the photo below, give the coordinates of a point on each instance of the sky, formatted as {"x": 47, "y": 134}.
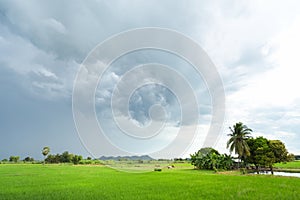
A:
{"x": 254, "y": 46}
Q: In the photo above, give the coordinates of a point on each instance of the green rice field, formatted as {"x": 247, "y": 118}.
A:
{"x": 288, "y": 165}
{"x": 36, "y": 181}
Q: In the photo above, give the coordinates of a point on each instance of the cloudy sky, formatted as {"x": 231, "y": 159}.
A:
{"x": 254, "y": 45}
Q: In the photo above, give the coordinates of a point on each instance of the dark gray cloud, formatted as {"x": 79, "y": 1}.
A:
{"x": 28, "y": 122}
{"x": 42, "y": 45}
{"x": 70, "y": 30}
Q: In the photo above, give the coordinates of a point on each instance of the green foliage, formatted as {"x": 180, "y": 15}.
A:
{"x": 208, "y": 150}
{"x": 209, "y": 158}
{"x": 89, "y": 158}
{"x": 243, "y": 170}
{"x": 279, "y": 150}
{"x": 45, "y": 151}
{"x": 290, "y": 157}
{"x": 264, "y": 152}
{"x": 237, "y": 141}
{"x": 28, "y": 159}
{"x": 178, "y": 160}
{"x": 14, "y": 159}
{"x": 65, "y": 157}
{"x": 76, "y": 159}
{"x": 157, "y": 169}
{"x": 260, "y": 152}
{"x": 86, "y": 162}
{"x": 89, "y": 162}
{"x": 53, "y": 158}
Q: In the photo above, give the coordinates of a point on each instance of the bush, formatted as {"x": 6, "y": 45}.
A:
{"x": 211, "y": 159}
{"x": 157, "y": 169}
{"x": 215, "y": 170}
{"x": 97, "y": 162}
{"x": 85, "y": 162}
{"x": 76, "y": 159}
{"x": 243, "y": 170}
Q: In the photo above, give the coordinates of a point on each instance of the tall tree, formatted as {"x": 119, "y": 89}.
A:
{"x": 238, "y": 140}
{"x": 261, "y": 154}
{"x": 279, "y": 151}
{"x": 14, "y": 159}
{"x": 264, "y": 152}
{"x": 45, "y": 152}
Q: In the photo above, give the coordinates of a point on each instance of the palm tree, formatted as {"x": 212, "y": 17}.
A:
{"x": 237, "y": 142}
{"x": 45, "y": 152}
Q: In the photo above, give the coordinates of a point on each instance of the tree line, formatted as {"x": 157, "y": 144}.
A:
{"x": 65, "y": 157}
{"x": 15, "y": 159}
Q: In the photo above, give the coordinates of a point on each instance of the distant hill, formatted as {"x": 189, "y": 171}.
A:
{"x": 144, "y": 157}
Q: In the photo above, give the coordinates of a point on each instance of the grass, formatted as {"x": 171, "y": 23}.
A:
{"x": 145, "y": 166}
{"x": 288, "y": 165}
{"x": 28, "y": 181}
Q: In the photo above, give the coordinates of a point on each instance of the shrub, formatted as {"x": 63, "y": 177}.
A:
{"x": 243, "y": 170}
{"x": 209, "y": 158}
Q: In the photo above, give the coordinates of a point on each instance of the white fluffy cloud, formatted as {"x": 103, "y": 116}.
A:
{"x": 268, "y": 100}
